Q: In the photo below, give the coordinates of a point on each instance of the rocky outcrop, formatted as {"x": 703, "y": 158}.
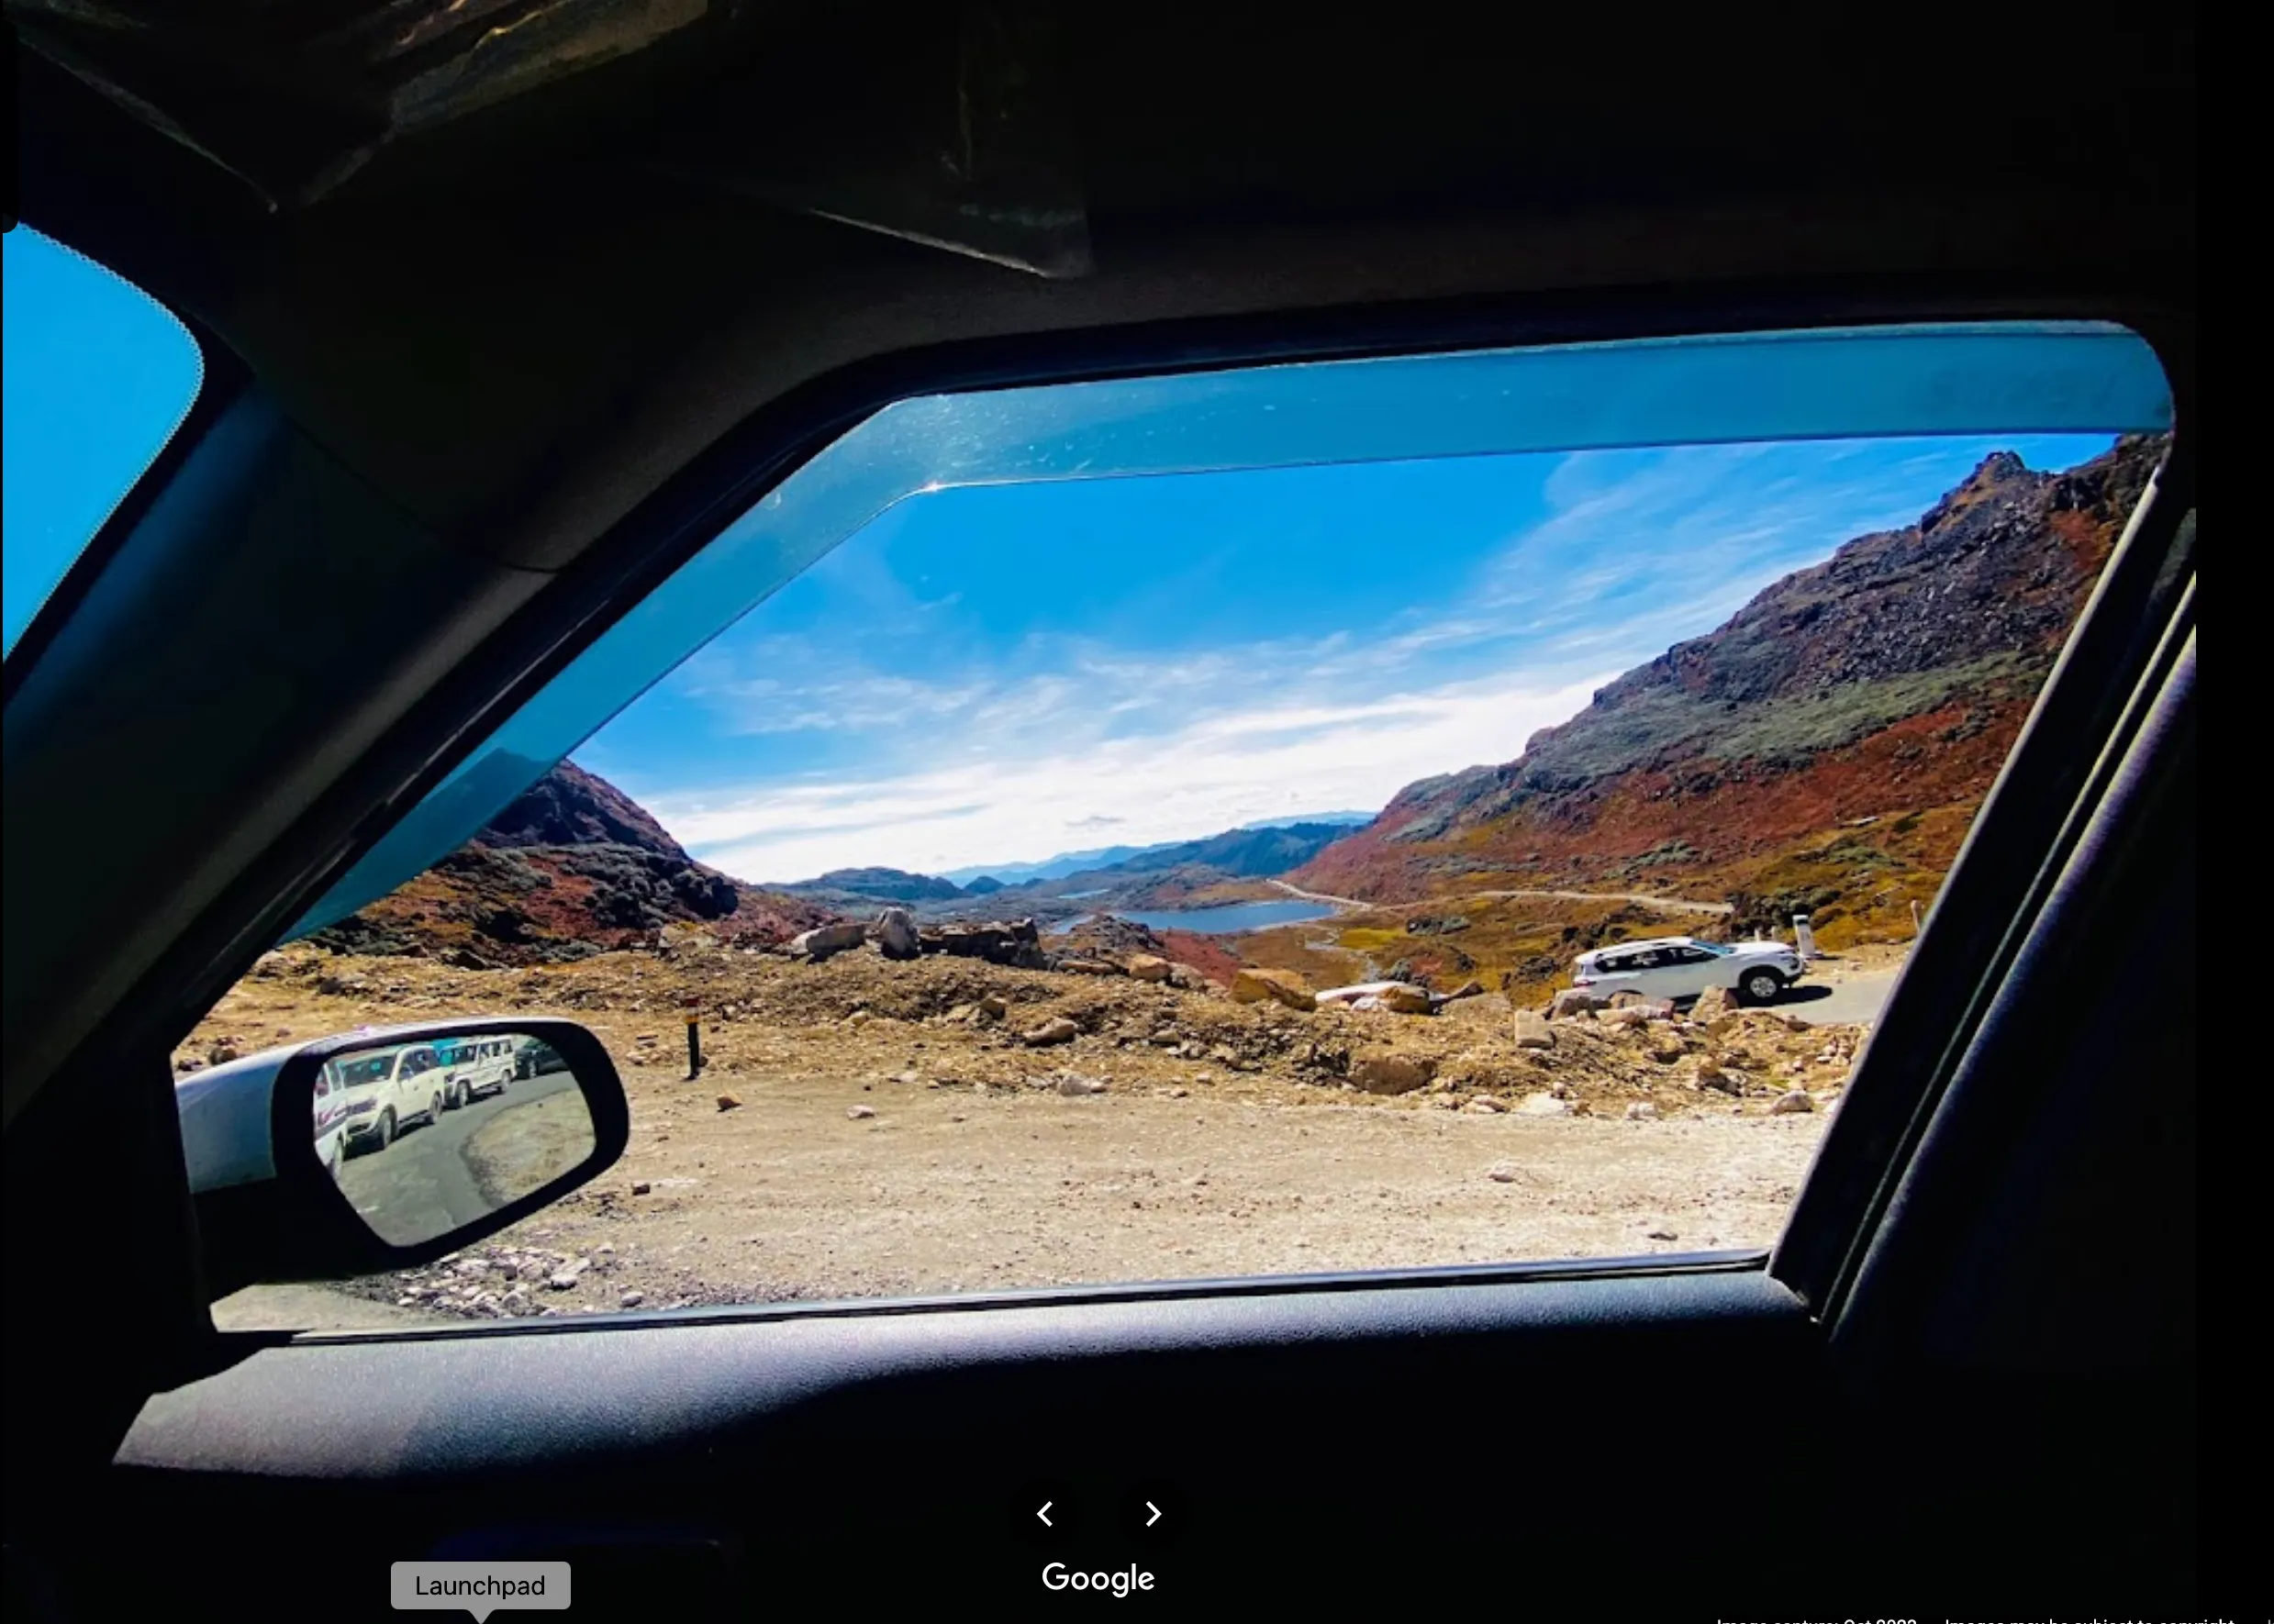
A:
{"x": 1254, "y": 985}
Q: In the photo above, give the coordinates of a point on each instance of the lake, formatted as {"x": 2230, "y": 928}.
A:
{"x": 1220, "y": 921}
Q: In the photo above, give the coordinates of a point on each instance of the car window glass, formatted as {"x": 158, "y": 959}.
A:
{"x": 98, "y": 377}
{"x": 1183, "y": 873}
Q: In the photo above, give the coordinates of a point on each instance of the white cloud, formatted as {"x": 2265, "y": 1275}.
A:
{"x": 1214, "y": 773}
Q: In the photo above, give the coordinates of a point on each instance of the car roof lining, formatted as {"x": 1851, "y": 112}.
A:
{"x": 519, "y": 334}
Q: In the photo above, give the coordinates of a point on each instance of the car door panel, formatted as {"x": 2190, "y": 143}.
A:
{"x": 810, "y": 1437}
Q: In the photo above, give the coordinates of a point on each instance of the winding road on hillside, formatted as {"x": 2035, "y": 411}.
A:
{"x": 1673, "y": 904}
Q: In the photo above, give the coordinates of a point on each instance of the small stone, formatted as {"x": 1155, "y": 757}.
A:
{"x": 1797, "y": 1103}
{"x": 1055, "y": 1030}
{"x": 566, "y": 1279}
{"x": 860, "y": 1113}
{"x": 1544, "y": 1105}
{"x": 1485, "y": 1104}
{"x": 1664, "y": 1235}
{"x": 632, "y": 1299}
{"x": 642, "y": 1188}
{"x": 1642, "y": 1110}
{"x": 994, "y": 1008}
{"x": 727, "y": 1102}
{"x": 1073, "y": 1085}
{"x": 1501, "y": 1173}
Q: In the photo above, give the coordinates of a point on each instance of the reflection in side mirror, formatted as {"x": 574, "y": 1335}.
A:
{"x": 438, "y": 1134}
{"x": 381, "y": 1148}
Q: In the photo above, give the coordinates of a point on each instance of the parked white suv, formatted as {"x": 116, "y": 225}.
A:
{"x": 478, "y": 1067}
{"x": 388, "y": 1090}
{"x": 1682, "y": 967}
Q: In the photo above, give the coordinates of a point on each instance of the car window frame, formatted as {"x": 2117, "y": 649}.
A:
{"x": 791, "y": 428}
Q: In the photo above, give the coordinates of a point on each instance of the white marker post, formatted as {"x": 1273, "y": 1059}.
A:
{"x": 1803, "y": 938}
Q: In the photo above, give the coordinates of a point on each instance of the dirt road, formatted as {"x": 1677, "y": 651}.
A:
{"x": 941, "y": 1191}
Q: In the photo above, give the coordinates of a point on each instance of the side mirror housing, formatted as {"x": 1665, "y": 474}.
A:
{"x": 385, "y": 1149}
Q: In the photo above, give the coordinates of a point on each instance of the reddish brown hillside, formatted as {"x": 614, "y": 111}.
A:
{"x": 1823, "y": 750}
{"x": 572, "y": 867}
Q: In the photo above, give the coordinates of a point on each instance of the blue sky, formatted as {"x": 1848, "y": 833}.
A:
{"x": 999, "y": 673}
{"x": 98, "y": 378}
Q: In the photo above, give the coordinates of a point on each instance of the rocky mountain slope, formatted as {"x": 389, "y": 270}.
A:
{"x": 1823, "y": 751}
{"x": 571, "y": 867}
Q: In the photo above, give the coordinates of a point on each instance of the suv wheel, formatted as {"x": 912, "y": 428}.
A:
{"x": 1759, "y": 986}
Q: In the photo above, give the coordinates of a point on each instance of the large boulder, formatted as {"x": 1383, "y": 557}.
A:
{"x": 1401, "y": 997}
{"x": 1017, "y": 943}
{"x": 822, "y": 941}
{"x": 1575, "y": 1001}
{"x": 1713, "y": 1004}
{"x": 1149, "y": 967}
{"x": 1279, "y": 986}
{"x": 1057, "y": 1030}
{"x": 895, "y": 933}
{"x": 1383, "y": 1071}
{"x": 1531, "y": 1030}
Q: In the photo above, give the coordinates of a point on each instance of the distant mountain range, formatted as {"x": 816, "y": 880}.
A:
{"x": 1103, "y": 857}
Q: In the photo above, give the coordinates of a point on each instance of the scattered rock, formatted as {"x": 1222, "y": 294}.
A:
{"x": 1712, "y": 1005}
{"x": 1385, "y": 1073}
{"x": 1575, "y": 1001}
{"x": 825, "y": 940}
{"x": 1471, "y": 988}
{"x": 1400, "y": 997}
{"x": 1073, "y": 1085}
{"x": 631, "y": 1299}
{"x": 1710, "y": 1076}
{"x": 1797, "y": 1103}
{"x": 1501, "y": 1173}
{"x": 993, "y": 1007}
{"x": 895, "y": 934}
{"x": 220, "y": 1054}
{"x": 727, "y": 1102}
{"x": 1642, "y": 1110}
{"x": 466, "y": 959}
{"x": 1544, "y": 1104}
{"x": 1485, "y": 1105}
{"x": 1056, "y": 1029}
{"x": 1531, "y": 1030}
{"x": 1085, "y": 966}
{"x": 1149, "y": 967}
{"x": 1664, "y": 1235}
{"x": 642, "y": 1188}
{"x": 1280, "y": 986}
{"x": 565, "y": 1277}
{"x": 860, "y": 1113}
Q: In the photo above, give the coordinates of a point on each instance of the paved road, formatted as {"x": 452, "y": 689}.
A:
{"x": 1856, "y": 1000}
{"x": 421, "y": 1186}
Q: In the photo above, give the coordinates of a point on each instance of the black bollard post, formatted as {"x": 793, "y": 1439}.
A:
{"x": 695, "y": 1041}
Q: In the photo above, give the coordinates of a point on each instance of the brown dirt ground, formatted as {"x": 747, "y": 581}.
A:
{"x": 885, "y": 1143}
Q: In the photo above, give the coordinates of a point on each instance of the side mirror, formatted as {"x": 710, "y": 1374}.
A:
{"x": 386, "y": 1148}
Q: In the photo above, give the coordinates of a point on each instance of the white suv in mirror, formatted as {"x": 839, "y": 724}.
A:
{"x": 1682, "y": 967}
{"x": 389, "y": 1089}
